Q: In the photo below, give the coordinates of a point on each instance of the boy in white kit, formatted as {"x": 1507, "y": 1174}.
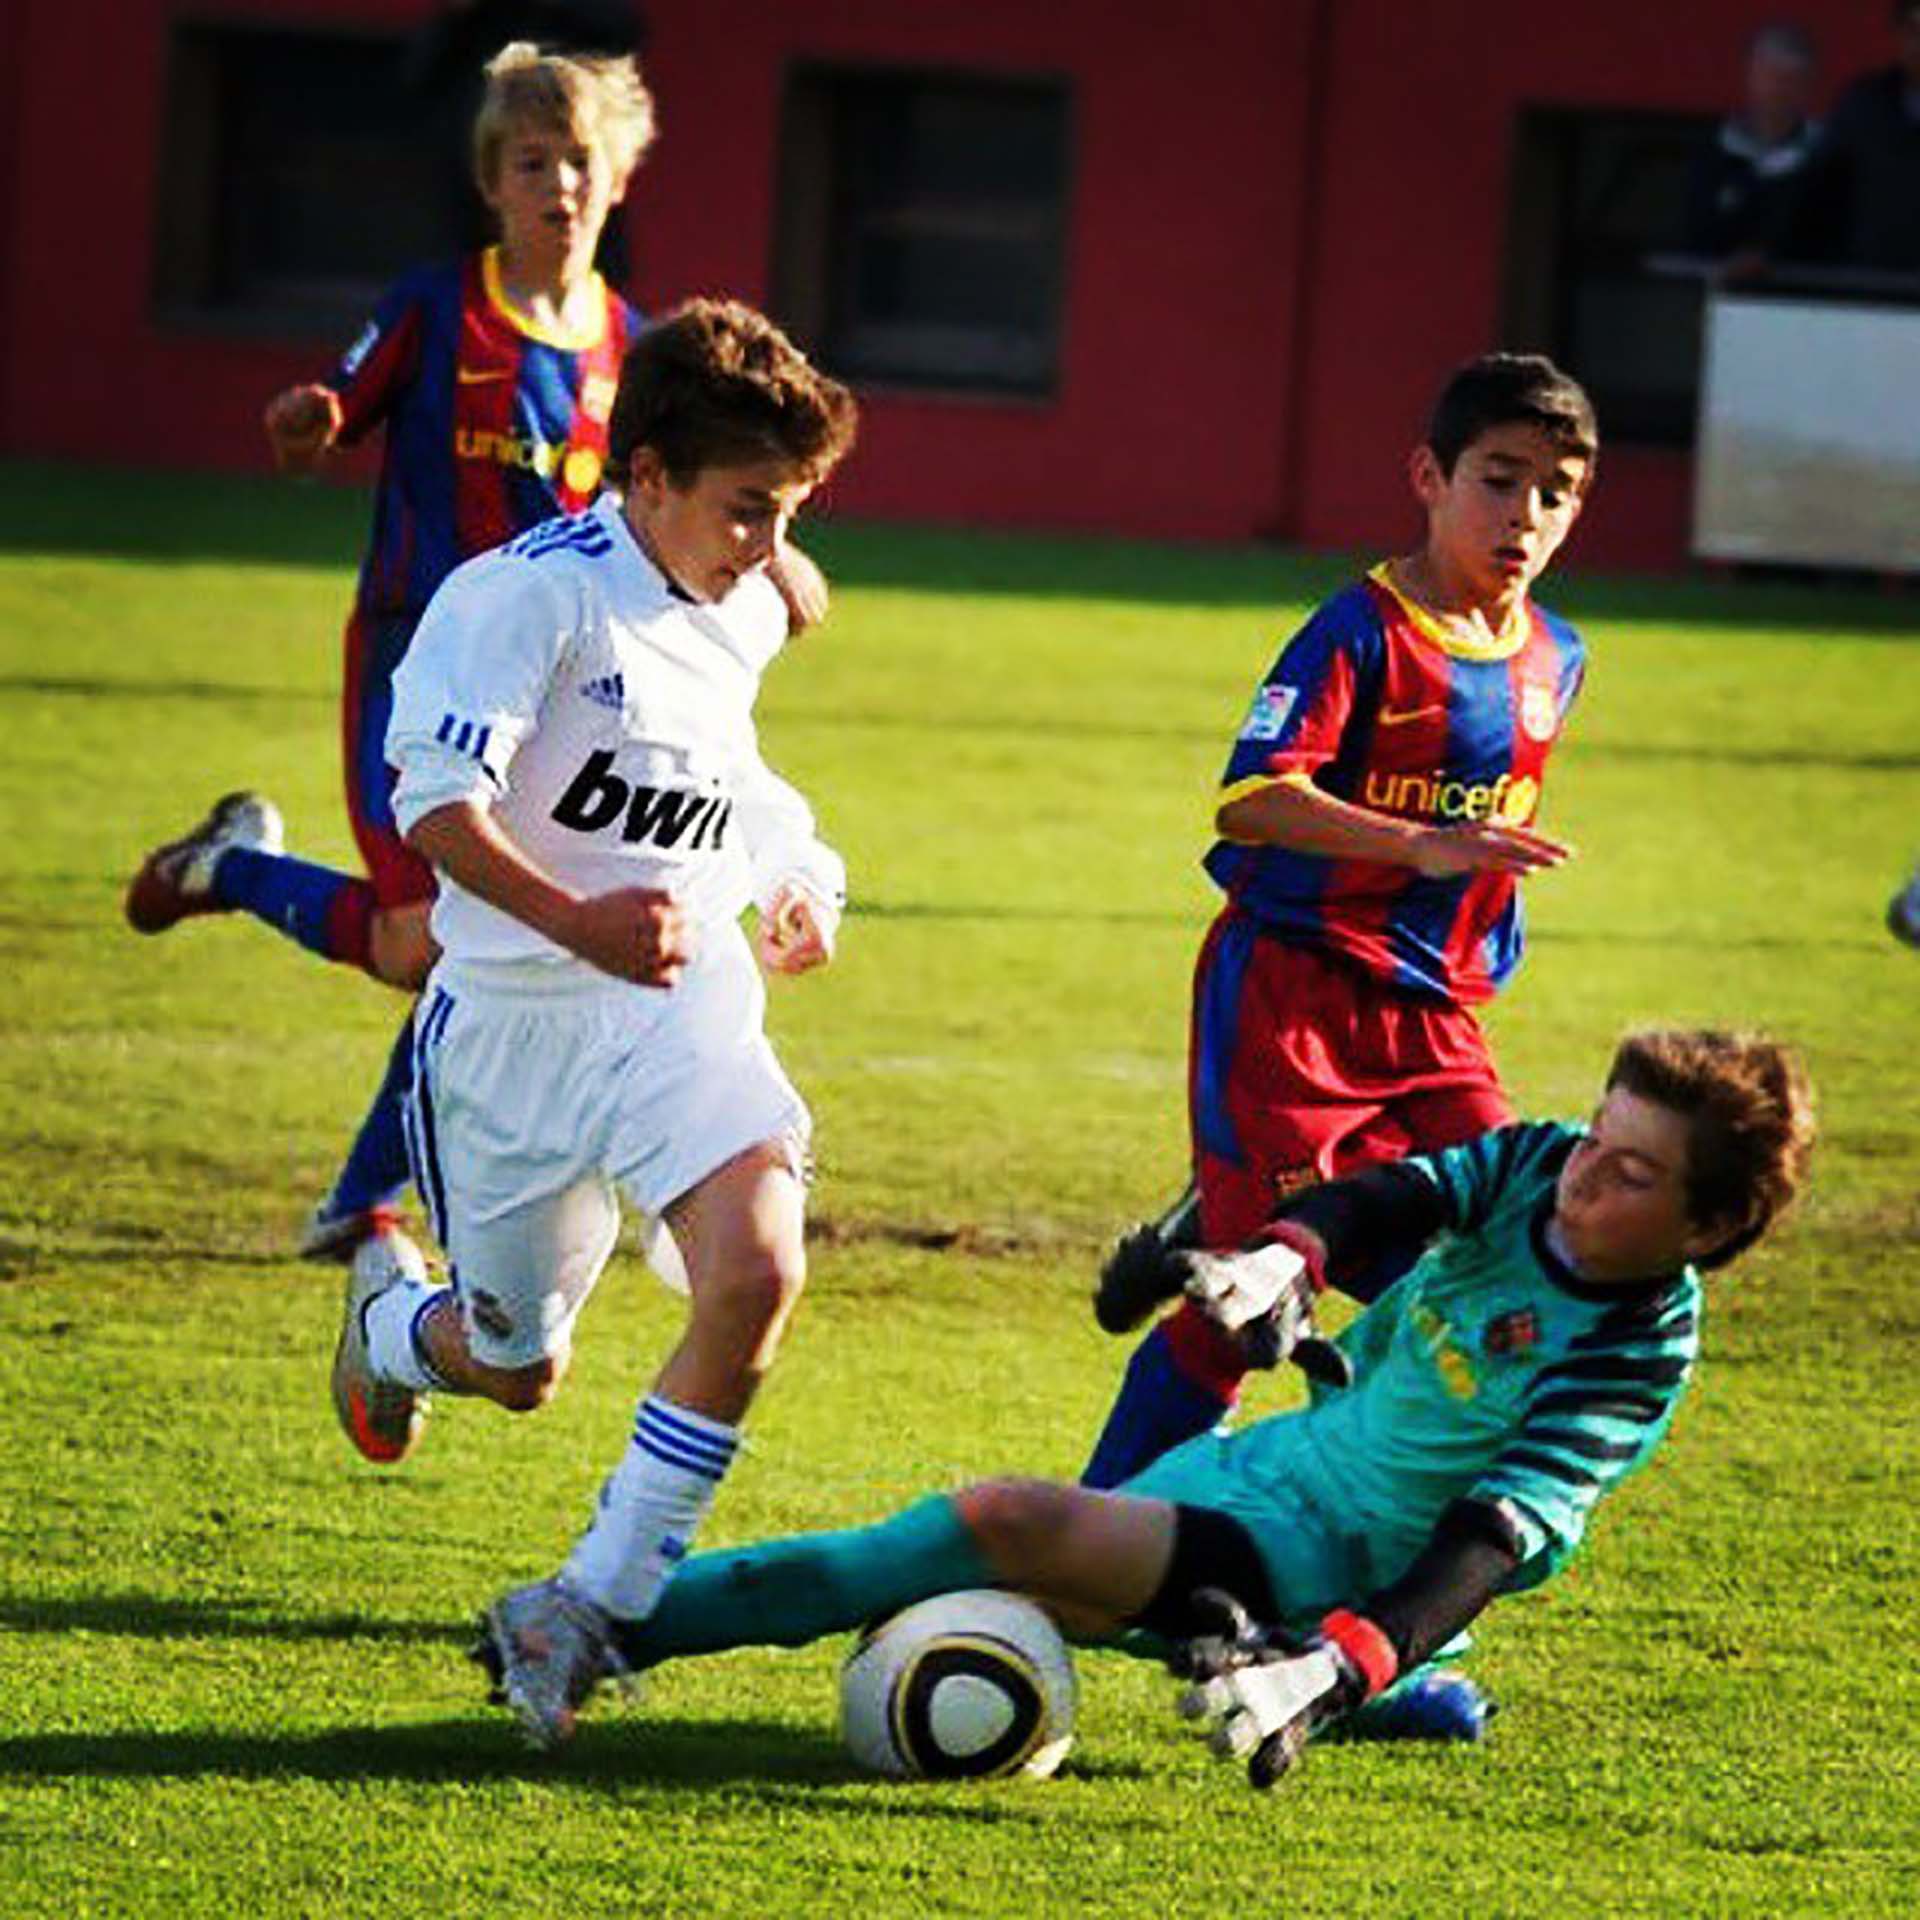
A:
{"x": 573, "y": 733}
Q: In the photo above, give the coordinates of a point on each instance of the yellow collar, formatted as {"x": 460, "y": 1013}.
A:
{"x": 1462, "y": 646}
{"x": 522, "y": 321}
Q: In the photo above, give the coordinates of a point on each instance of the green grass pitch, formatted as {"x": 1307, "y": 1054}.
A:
{"x": 230, "y": 1672}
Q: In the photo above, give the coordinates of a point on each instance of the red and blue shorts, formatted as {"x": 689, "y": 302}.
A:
{"x": 1302, "y": 1067}
{"x": 374, "y": 646}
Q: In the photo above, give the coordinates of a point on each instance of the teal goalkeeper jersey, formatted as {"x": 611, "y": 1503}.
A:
{"x": 1491, "y": 1372}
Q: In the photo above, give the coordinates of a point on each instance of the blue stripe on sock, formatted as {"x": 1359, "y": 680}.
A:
{"x": 657, "y": 1422}
{"x": 707, "y": 1433}
{"x": 718, "y": 1458}
{"x": 671, "y": 1456}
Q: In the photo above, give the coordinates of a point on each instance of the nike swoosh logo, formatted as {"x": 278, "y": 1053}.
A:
{"x": 1388, "y": 718}
{"x": 474, "y": 376}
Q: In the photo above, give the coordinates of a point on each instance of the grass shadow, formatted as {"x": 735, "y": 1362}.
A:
{"x": 771, "y": 1763}
{"x": 106, "y": 687}
{"x": 51, "y": 508}
{"x": 147, "y": 1616}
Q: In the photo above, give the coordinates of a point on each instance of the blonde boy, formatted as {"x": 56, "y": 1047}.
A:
{"x": 493, "y": 376}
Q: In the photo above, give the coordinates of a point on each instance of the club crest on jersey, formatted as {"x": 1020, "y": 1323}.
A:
{"x": 1267, "y": 717}
{"x": 1511, "y": 1333}
{"x": 1291, "y": 1180}
{"x": 609, "y": 691}
{"x": 596, "y": 395}
{"x": 1539, "y": 711}
{"x": 660, "y": 816}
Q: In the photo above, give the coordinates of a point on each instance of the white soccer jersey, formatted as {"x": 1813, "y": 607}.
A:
{"x": 608, "y": 723}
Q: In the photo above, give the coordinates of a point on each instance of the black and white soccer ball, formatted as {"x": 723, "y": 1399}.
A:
{"x": 967, "y": 1686}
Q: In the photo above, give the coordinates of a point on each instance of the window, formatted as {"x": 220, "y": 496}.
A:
{"x": 1596, "y": 194}
{"x": 298, "y": 178}
{"x": 922, "y": 227}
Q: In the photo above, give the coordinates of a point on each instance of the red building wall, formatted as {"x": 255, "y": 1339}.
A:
{"x": 1415, "y": 176}
{"x": 1185, "y": 230}
{"x": 1288, "y": 219}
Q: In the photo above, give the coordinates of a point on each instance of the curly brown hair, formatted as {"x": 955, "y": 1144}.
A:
{"x": 1750, "y": 1123}
{"x": 716, "y": 383}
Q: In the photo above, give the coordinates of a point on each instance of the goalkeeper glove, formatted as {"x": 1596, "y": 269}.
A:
{"x": 1265, "y": 1697}
{"x": 1265, "y": 1296}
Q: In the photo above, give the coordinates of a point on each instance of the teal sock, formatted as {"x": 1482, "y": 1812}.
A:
{"x": 783, "y": 1593}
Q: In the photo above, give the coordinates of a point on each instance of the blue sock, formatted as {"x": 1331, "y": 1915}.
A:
{"x": 376, "y": 1172}
{"x": 784, "y": 1593}
{"x": 1158, "y": 1407}
{"x": 328, "y": 912}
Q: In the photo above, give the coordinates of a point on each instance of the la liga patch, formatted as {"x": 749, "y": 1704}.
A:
{"x": 1267, "y": 717}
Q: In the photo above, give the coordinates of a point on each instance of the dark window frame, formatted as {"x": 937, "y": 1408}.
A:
{"x": 203, "y": 278}
{"x": 817, "y": 237}
{"x": 1565, "y": 258}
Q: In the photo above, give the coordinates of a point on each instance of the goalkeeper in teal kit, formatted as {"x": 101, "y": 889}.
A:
{"x": 1476, "y": 1412}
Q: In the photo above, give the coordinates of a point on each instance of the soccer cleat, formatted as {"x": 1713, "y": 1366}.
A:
{"x": 176, "y": 881}
{"x": 1145, "y": 1268}
{"x": 1439, "y": 1705}
{"x": 545, "y": 1648}
{"x": 330, "y": 1236}
{"x": 380, "y": 1417}
{"x": 1903, "y": 915}
{"x": 1141, "y": 1273}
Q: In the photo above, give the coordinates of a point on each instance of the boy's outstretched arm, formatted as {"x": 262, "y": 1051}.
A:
{"x": 1347, "y": 1234}
{"x": 1294, "y": 813}
{"x": 1348, "y": 1228}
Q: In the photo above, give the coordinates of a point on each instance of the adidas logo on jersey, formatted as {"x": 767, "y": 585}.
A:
{"x": 609, "y": 691}
{"x": 665, "y": 816}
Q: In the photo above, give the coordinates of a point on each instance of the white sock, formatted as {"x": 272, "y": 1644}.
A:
{"x": 650, "y": 1507}
{"x": 390, "y": 1319}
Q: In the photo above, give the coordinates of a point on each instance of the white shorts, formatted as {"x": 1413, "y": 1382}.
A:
{"x": 535, "y": 1098}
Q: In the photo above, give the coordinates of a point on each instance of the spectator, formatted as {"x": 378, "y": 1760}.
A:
{"x": 1744, "y": 180}
{"x": 1860, "y": 203}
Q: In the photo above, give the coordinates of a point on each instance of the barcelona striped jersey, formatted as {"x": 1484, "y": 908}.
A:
{"x": 1491, "y": 1372}
{"x": 1379, "y": 703}
{"x": 494, "y": 423}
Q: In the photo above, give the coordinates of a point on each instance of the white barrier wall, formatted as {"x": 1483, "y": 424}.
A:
{"x": 1809, "y": 447}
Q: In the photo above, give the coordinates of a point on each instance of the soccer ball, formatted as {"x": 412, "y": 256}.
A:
{"x": 967, "y": 1686}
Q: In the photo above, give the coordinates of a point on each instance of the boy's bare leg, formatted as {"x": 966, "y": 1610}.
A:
{"x": 741, "y": 1234}
{"x": 1095, "y": 1559}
